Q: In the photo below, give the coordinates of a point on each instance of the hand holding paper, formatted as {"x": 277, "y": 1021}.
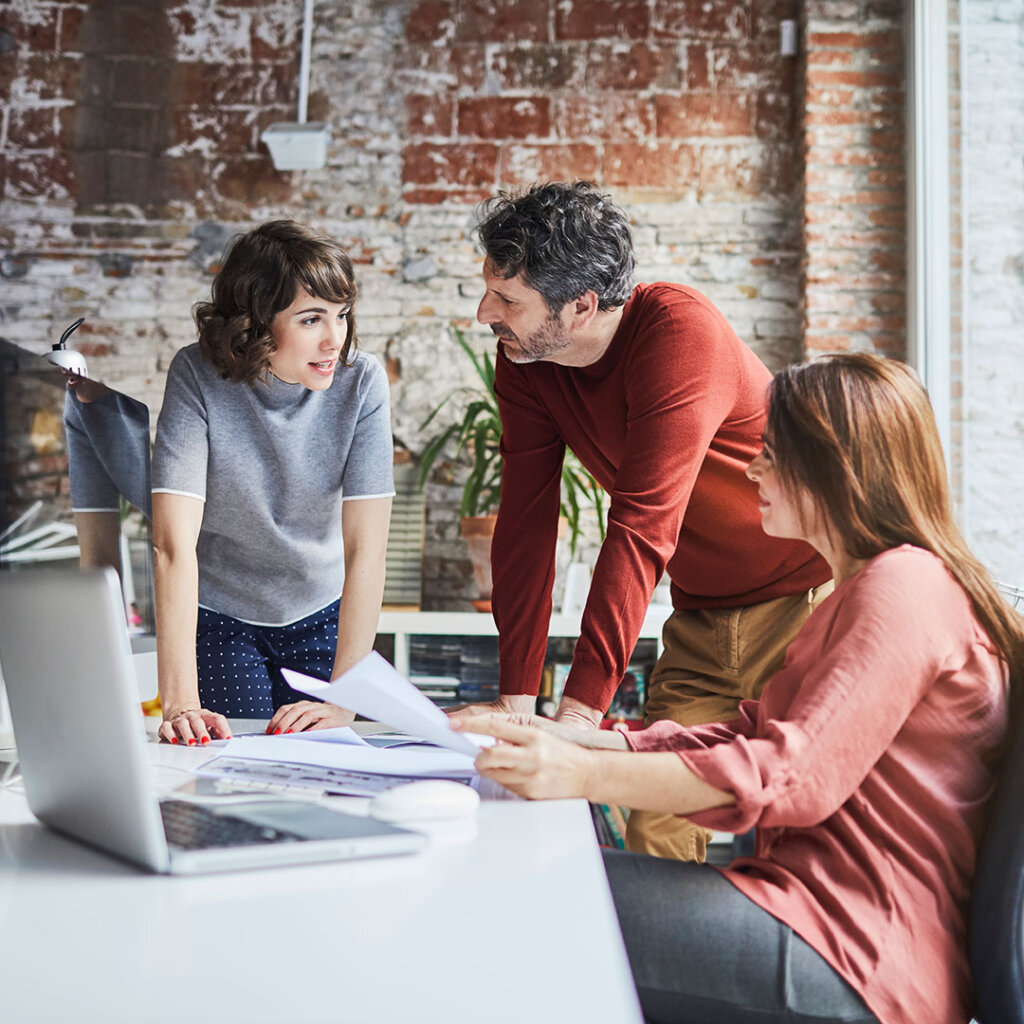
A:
{"x": 374, "y": 689}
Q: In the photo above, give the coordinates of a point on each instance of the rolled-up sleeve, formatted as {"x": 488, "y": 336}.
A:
{"x": 849, "y": 684}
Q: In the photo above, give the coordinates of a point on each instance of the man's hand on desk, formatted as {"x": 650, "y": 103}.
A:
{"x": 518, "y": 705}
{"x": 309, "y": 714}
{"x": 575, "y": 713}
{"x": 572, "y": 714}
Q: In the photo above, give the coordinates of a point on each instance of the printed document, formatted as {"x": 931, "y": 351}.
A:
{"x": 419, "y": 760}
{"x": 340, "y": 760}
{"x": 376, "y": 690}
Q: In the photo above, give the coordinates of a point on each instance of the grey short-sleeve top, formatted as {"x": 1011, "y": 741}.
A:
{"x": 273, "y": 463}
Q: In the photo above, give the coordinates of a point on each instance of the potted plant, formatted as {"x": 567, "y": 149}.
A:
{"x": 478, "y": 433}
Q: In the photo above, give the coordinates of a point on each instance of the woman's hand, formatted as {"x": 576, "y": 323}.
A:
{"x": 531, "y": 761}
{"x": 85, "y": 389}
{"x": 193, "y": 726}
{"x": 593, "y": 739}
{"x": 309, "y": 714}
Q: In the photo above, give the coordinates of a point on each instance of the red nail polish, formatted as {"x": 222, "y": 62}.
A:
{"x": 174, "y": 739}
{"x": 288, "y": 731}
{"x": 192, "y": 743}
{"x": 206, "y": 739}
{"x": 277, "y": 730}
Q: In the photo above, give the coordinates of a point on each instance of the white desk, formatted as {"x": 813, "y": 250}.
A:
{"x": 515, "y": 925}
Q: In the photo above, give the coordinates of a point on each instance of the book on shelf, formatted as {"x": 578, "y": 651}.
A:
{"x": 437, "y": 688}
{"x": 610, "y": 825}
{"x": 454, "y": 669}
{"x": 627, "y": 705}
{"x": 631, "y": 695}
{"x": 479, "y": 671}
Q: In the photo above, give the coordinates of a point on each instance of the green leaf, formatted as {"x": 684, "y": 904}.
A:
{"x": 433, "y": 450}
{"x": 487, "y": 376}
{"x": 426, "y": 423}
{"x": 580, "y": 489}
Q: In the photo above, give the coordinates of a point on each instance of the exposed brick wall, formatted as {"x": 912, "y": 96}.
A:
{"x": 35, "y": 466}
{"x": 855, "y": 181}
{"x": 684, "y": 97}
{"x": 156, "y": 104}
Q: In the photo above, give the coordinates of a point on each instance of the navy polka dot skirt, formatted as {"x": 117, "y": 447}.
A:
{"x": 239, "y": 664}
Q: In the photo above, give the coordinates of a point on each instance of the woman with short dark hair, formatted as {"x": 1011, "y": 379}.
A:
{"x": 865, "y": 766}
{"x": 272, "y": 486}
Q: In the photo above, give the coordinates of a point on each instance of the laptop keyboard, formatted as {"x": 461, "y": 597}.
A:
{"x": 194, "y": 827}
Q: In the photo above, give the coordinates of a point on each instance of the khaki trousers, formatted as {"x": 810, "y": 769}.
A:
{"x": 713, "y": 659}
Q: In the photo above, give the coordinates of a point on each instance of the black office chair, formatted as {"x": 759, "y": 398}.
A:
{"x": 996, "y": 933}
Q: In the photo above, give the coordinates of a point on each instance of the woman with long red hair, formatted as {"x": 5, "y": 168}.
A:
{"x": 866, "y": 765}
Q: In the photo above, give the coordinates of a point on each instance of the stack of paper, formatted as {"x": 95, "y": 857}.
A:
{"x": 339, "y": 760}
{"x": 376, "y": 690}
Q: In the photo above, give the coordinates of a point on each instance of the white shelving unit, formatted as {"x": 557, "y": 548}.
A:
{"x": 402, "y": 624}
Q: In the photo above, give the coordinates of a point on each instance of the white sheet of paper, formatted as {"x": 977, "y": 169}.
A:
{"x": 376, "y": 690}
{"x": 413, "y": 761}
{"x": 340, "y": 734}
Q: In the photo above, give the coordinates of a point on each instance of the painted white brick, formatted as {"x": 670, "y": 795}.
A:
{"x": 994, "y": 392}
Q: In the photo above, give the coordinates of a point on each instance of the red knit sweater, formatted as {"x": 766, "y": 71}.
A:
{"x": 666, "y": 421}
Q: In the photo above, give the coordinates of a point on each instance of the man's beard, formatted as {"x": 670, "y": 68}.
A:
{"x": 548, "y": 340}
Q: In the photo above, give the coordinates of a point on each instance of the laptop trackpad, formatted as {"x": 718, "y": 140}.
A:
{"x": 310, "y": 821}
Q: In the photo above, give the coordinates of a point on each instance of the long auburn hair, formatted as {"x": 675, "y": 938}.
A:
{"x": 260, "y": 277}
{"x": 857, "y": 432}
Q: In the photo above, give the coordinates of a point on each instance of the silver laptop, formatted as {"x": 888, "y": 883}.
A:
{"x": 81, "y": 741}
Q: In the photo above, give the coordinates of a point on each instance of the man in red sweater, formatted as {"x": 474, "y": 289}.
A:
{"x": 663, "y": 403}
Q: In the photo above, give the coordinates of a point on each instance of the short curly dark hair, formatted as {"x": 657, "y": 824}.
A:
{"x": 565, "y": 238}
{"x": 263, "y": 270}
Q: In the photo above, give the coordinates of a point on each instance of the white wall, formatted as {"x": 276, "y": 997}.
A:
{"x": 994, "y": 384}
